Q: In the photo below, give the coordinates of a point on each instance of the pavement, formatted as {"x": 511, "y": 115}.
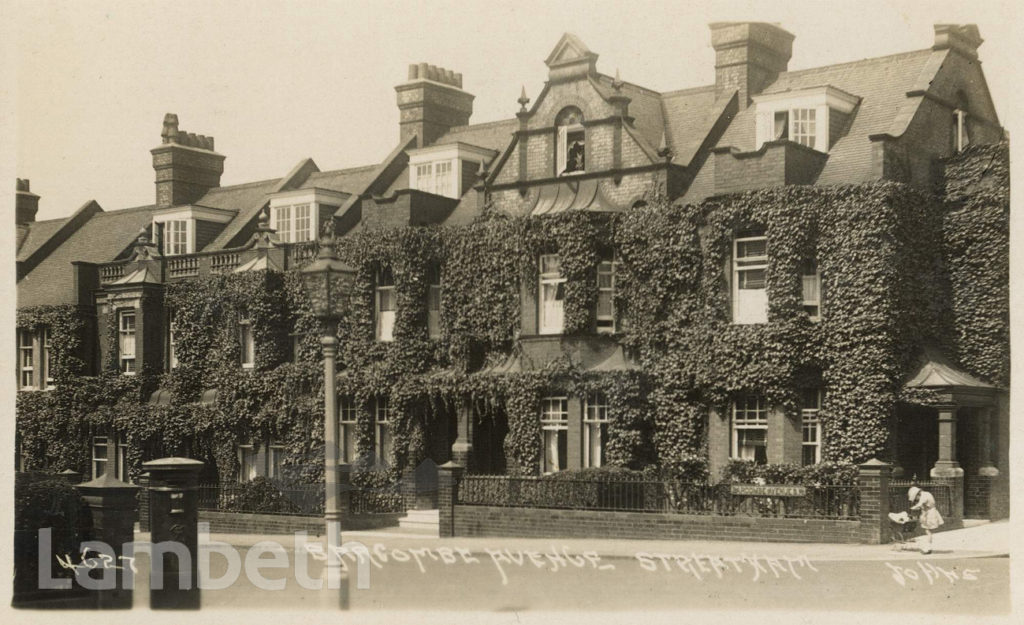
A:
{"x": 980, "y": 539}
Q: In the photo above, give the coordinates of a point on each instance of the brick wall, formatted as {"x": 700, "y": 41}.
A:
{"x": 545, "y": 523}
{"x": 976, "y": 497}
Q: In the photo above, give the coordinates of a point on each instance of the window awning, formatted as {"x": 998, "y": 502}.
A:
{"x": 572, "y": 195}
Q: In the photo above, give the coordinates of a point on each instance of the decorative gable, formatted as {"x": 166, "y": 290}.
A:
{"x": 571, "y": 59}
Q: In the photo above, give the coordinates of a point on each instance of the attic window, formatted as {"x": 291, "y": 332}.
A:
{"x": 177, "y": 237}
{"x": 572, "y": 141}
{"x": 805, "y": 117}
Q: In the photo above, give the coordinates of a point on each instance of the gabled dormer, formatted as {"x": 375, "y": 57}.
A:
{"x": 297, "y": 215}
{"x": 814, "y": 117}
{"x": 188, "y": 229}
{"x": 448, "y": 170}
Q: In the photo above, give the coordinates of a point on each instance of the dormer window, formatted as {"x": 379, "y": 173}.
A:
{"x": 293, "y": 222}
{"x": 188, "y": 229}
{"x": 295, "y": 215}
{"x": 442, "y": 169}
{"x": 176, "y": 237}
{"x": 806, "y": 116}
{"x": 571, "y": 150}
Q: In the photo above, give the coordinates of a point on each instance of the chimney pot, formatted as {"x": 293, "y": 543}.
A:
{"x": 964, "y": 38}
{"x": 428, "y": 110}
{"x": 26, "y": 203}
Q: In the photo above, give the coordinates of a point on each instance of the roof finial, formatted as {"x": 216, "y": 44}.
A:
{"x": 523, "y": 100}
{"x": 617, "y": 83}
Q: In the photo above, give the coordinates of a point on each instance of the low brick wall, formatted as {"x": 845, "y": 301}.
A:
{"x": 548, "y": 523}
{"x": 251, "y": 523}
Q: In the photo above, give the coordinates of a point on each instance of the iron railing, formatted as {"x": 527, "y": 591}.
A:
{"x": 644, "y": 495}
{"x": 294, "y": 499}
{"x": 940, "y": 489}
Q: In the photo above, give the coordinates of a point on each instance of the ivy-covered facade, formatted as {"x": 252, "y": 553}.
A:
{"x": 786, "y": 268}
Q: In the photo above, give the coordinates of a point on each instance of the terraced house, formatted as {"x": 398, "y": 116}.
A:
{"x": 788, "y": 268}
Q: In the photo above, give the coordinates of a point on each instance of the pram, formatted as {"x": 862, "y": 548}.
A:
{"x": 903, "y": 528}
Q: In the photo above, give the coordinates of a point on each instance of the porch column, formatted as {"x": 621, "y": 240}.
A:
{"x": 985, "y": 465}
{"x": 462, "y": 448}
{"x": 947, "y": 465}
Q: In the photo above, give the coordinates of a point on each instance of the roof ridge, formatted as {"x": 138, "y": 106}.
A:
{"x": 626, "y": 83}
{"x": 481, "y": 125}
{"x": 866, "y": 60}
{"x": 243, "y": 185}
{"x": 343, "y": 169}
{"x": 688, "y": 90}
{"x": 130, "y": 209}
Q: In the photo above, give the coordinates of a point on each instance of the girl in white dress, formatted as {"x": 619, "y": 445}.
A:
{"x": 930, "y": 519}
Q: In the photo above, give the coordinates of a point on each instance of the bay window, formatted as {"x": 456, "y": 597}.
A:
{"x": 595, "y": 429}
{"x": 386, "y": 305}
{"x": 554, "y": 423}
{"x": 750, "y": 429}
{"x": 810, "y": 424}
{"x": 552, "y": 295}
{"x": 749, "y": 283}
{"x": 126, "y": 342}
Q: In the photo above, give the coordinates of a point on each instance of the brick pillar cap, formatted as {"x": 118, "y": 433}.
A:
{"x": 875, "y": 463}
{"x": 450, "y": 466}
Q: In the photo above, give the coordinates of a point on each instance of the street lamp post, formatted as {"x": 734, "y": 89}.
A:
{"x": 328, "y": 284}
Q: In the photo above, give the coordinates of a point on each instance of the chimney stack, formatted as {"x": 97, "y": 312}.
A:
{"x": 749, "y": 56}
{"x": 26, "y": 203}
{"x": 963, "y": 38}
{"x": 186, "y": 165}
{"x": 431, "y": 102}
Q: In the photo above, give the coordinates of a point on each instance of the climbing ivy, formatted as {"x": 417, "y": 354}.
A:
{"x": 900, "y": 270}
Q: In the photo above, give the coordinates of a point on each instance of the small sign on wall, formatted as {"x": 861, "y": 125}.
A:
{"x": 776, "y": 490}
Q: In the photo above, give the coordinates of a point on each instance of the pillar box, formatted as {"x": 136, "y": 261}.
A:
{"x": 173, "y": 520}
{"x": 112, "y": 504}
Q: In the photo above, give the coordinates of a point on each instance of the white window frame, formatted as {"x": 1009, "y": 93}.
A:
{"x": 606, "y": 322}
{"x": 172, "y": 329}
{"x": 385, "y": 319}
{"x": 562, "y": 150}
{"x": 793, "y": 108}
{"x": 99, "y": 460}
{"x": 551, "y": 312}
{"x": 275, "y": 460}
{"x": 247, "y": 344}
{"x": 745, "y": 419}
{"x": 46, "y": 346}
{"x": 383, "y": 444}
{"x": 595, "y": 429}
{"x": 26, "y": 360}
{"x": 810, "y": 426}
{"x": 810, "y": 288}
{"x": 127, "y": 338}
{"x": 347, "y": 428}
{"x": 178, "y": 235}
{"x": 294, "y": 223}
{"x": 554, "y": 423}
{"x": 434, "y": 303}
{"x": 961, "y": 137}
{"x": 749, "y": 305}
{"x": 248, "y": 458}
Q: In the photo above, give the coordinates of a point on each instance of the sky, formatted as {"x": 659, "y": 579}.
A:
{"x": 278, "y": 82}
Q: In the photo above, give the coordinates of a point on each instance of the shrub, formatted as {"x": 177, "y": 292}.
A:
{"x": 44, "y": 501}
{"x": 259, "y": 495}
{"x": 823, "y": 474}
